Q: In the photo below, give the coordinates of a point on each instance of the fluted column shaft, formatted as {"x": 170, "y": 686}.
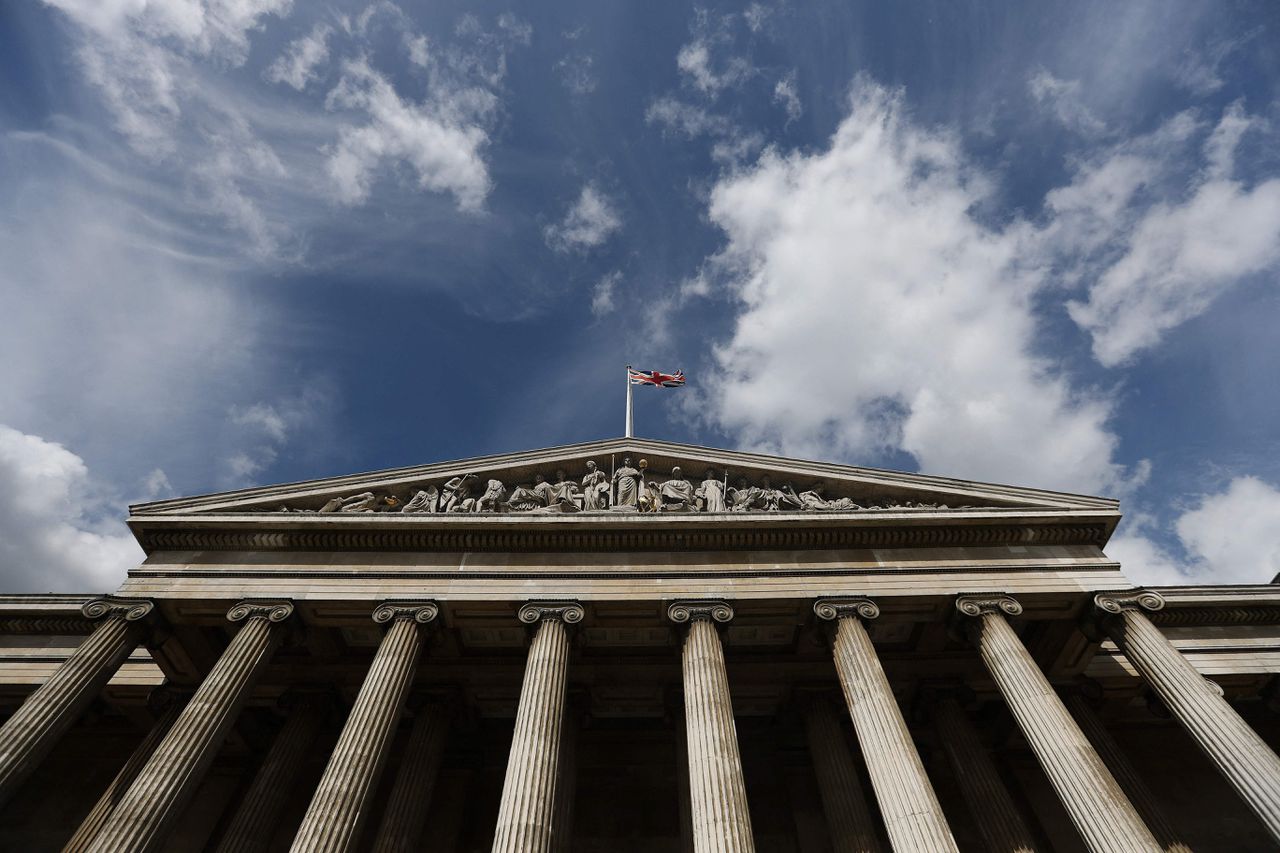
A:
{"x": 146, "y": 813}
{"x": 843, "y": 800}
{"x": 406, "y": 811}
{"x": 341, "y": 802}
{"x": 720, "y": 818}
{"x": 526, "y": 816}
{"x": 1246, "y": 761}
{"x": 1098, "y": 807}
{"x": 913, "y": 817}
{"x": 1126, "y": 774}
{"x": 567, "y": 791}
{"x": 93, "y": 822}
{"x": 256, "y": 817}
{"x": 28, "y": 735}
{"x": 993, "y": 809}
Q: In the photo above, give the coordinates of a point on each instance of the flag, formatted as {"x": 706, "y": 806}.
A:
{"x": 664, "y": 380}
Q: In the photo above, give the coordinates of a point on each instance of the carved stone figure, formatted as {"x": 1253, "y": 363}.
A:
{"x": 455, "y": 495}
{"x": 626, "y": 482}
{"x": 788, "y": 500}
{"x": 595, "y": 488}
{"x": 492, "y": 498}
{"x": 742, "y": 496}
{"x": 424, "y": 500}
{"x": 711, "y": 493}
{"x": 564, "y": 491}
{"x": 815, "y": 499}
{"x": 363, "y": 502}
{"x": 526, "y": 498}
{"x": 676, "y": 494}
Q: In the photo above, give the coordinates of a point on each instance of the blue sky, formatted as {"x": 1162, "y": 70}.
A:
{"x": 263, "y": 241}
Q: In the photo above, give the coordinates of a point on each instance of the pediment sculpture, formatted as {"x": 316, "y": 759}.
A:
{"x": 630, "y": 489}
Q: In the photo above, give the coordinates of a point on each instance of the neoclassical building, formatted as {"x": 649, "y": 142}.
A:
{"x": 634, "y": 645}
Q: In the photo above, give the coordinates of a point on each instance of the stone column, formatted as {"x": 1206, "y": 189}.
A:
{"x": 913, "y": 817}
{"x": 28, "y": 735}
{"x": 1097, "y": 806}
{"x": 717, "y": 792}
{"x": 993, "y": 809}
{"x": 844, "y": 802}
{"x": 526, "y": 817}
{"x": 341, "y": 803}
{"x": 1240, "y": 755}
{"x": 406, "y": 811}
{"x": 257, "y": 817}
{"x": 567, "y": 787}
{"x": 1124, "y": 771}
{"x": 167, "y": 707}
{"x": 146, "y": 813}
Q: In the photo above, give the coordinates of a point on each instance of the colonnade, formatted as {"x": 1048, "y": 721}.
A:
{"x": 1087, "y": 773}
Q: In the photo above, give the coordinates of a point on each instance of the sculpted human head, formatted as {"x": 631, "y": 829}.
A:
{"x": 675, "y": 472}
{"x": 591, "y": 466}
{"x": 559, "y": 474}
{"x": 710, "y": 475}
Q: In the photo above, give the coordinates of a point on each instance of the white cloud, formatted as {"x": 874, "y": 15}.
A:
{"x": 755, "y": 16}
{"x": 698, "y": 67}
{"x": 602, "y": 295}
{"x": 1154, "y": 265}
{"x": 785, "y": 93}
{"x": 263, "y": 429}
{"x": 1232, "y": 536}
{"x": 1064, "y": 99}
{"x": 588, "y": 224}
{"x": 730, "y": 144}
{"x": 877, "y": 313}
{"x": 441, "y": 142}
{"x": 298, "y": 65}
{"x": 50, "y": 538}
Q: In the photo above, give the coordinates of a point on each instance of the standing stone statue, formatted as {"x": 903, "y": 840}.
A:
{"x": 676, "y": 494}
{"x": 711, "y": 493}
{"x": 626, "y": 481}
{"x": 595, "y": 488}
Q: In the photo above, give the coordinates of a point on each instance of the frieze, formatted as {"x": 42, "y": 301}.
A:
{"x": 628, "y": 489}
{"x": 548, "y": 539}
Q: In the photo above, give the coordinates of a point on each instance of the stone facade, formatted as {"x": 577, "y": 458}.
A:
{"x": 743, "y": 653}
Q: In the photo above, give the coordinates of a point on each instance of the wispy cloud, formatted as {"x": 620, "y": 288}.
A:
{"x": 592, "y": 219}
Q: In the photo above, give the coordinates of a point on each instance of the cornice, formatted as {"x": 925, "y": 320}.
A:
{"x": 579, "y": 533}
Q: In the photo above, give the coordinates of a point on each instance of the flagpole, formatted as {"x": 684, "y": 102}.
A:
{"x": 630, "y": 428}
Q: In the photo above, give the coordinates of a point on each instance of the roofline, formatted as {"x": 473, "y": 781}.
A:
{"x": 926, "y": 481}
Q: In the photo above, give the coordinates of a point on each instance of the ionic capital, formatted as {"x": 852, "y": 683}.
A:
{"x": 273, "y": 610}
{"x": 693, "y": 611}
{"x": 987, "y": 603}
{"x": 422, "y": 612}
{"x": 831, "y": 609}
{"x": 128, "y": 609}
{"x": 568, "y": 612}
{"x": 1131, "y": 599}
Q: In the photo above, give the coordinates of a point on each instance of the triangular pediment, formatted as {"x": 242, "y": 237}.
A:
{"x": 559, "y": 480}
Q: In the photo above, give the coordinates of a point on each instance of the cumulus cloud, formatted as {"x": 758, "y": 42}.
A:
{"x": 1232, "y": 536}
{"x": 1149, "y": 266}
{"x": 298, "y": 65}
{"x": 51, "y": 535}
{"x": 591, "y": 220}
{"x": 876, "y": 313}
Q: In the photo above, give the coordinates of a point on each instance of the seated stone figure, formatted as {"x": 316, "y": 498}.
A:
{"x": 676, "y": 494}
{"x": 527, "y": 498}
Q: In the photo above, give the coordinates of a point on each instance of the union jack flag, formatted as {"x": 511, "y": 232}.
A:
{"x": 665, "y": 380}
